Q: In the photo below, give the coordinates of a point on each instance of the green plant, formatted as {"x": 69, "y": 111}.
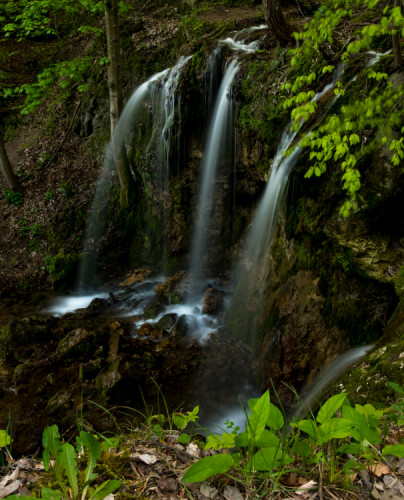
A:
{"x": 339, "y": 430}
{"x": 5, "y": 442}
{"x": 65, "y": 468}
{"x": 13, "y": 197}
{"x": 343, "y": 139}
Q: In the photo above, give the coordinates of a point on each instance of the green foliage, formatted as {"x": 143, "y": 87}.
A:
{"x": 5, "y": 439}
{"x": 33, "y": 18}
{"x": 343, "y": 139}
{"x": 64, "y": 74}
{"x": 65, "y": 469}
{"x": 268, "y": 445}
{"x": 13, "y": 197}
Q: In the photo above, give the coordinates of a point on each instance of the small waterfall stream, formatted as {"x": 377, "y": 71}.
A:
{"x": 157, "y": 98}
{"x": 252, "y": 271}
{"x": 219, "y": 150}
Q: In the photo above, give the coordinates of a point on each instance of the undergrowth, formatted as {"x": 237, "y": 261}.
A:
{"x": 334, "y": 444}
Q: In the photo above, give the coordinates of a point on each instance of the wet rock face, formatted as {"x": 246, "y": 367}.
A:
{"x": 91, "y": 356}
{"x": 212, "y": 301}
{"x": 298, "y": 343}
{"x": 50, "y": 381}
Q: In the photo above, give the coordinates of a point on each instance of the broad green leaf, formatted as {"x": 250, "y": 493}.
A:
{"x": 275, "y": 419}
{"x": 329, "y": 408}
{"x": 5, "y": 439}
{"x": 302, "y": 449}
{"x": 258, "y": 417}
{"x": 207, "y": 467}
{"x": 335, "y": 428}
{"x": 357, "y": 420}
{"x": 180, "y": 421}
{"x": 307, "y": 426}
{"x": 394, "y": 449}
{"x": 267, "y": 439}
{"x": 67, "y": 459}
{"x": 90, "y": 443}
{"x": 105, "y": 489}
{"x": 241, "y": 440}
{"x": 267, "y": 459}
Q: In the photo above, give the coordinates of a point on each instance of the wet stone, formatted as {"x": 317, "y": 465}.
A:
{"x": 167, "y": 321}
{"x": 212, "y": 301}
{"x": 184, "y": 326}
{"x": 145, "y": 330}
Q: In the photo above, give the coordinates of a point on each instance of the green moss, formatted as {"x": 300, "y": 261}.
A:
{"x": 62, "y": 269}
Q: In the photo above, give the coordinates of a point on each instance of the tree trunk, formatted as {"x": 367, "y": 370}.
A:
{"x": 276, "y": 21}
{"x": 115, "y": 97}
{"x": 114, "y": 56}
{"x": 398, "y": 57}
{"x": 7, "y": 171}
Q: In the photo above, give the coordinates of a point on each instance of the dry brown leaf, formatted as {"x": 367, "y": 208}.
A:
{"x": 291, "y": 480}
{"x": 378, "y": 469}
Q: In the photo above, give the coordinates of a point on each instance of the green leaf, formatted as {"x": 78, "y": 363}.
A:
{"x": 329, "y": 408}
{"x": 307, "y": 426}
{"x": 267, "y": 439}
{"x": 207, "y": 467}
{"x": 302, "y": 448}
{"x": 105, "y": 489}
{"x": 258, "y": 417}
{"x": 184, "y": 438}
{"x": 67, "y": 459}
{"x": 51, "y": 440}
{"x": 335, "y": 428}
{"x": 241, "y": 440}
{"x": 394, "y": 449}
{"x": 92, "y": 446}
{"x": 5, "y": 439}
{"x": 275, "y": 419}
{"x": 267, "y": 459}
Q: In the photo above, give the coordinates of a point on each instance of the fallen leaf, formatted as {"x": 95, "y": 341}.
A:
{"x": 378, "y": 469}
{"x": 167, "y": 485}
{"x": 146, "y": 458}
{"x": 232, "y": 493}
{"x": 11, "y": 477}
{"x": 303, "y": 489}
{"x": 11, "y": 488}
{"x": 208, "y": 491}
{"x": 194, "y": 450}
{"x": 290, "y": 480}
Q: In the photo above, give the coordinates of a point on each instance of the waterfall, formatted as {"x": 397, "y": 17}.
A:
{"x": 219, "y": 150}
{"x": 252, "y": 271}
{"x": 155, "y": 104}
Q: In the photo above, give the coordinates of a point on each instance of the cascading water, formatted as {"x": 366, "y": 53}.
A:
{"x": 253, "y": 270}
{"x": 158, "y": 99}
{"x": 219, "y": 150}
